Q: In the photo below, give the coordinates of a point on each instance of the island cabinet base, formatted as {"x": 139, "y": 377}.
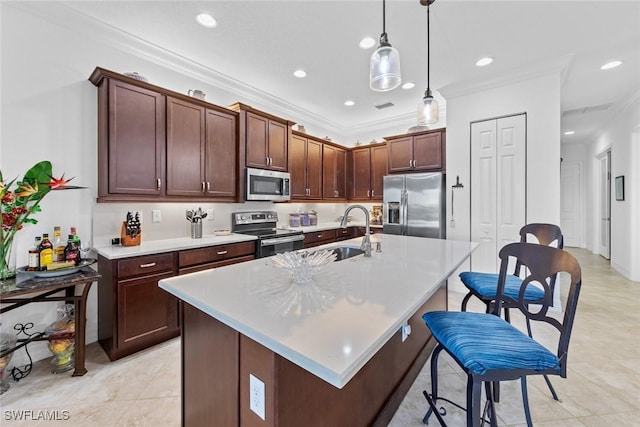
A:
{"x": 217, "y": 362}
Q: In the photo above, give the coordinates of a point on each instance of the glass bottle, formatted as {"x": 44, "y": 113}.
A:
{"x": 34, "y": 255}
{"x": 62, "y": 339}
{"x": 7, "y": 342}
{"x": 58, "y": 245}
{"x": 46, "y": 251}
{"x": 72, "y": 251}
{"x": 76, "y": 238}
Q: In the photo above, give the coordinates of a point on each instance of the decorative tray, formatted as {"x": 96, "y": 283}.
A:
{"x": 222, "y": 232}
{"x": 58, "y": 272}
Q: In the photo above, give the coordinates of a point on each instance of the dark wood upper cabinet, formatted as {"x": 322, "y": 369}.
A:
{"x": 334, "y": 173}
{"x": 368, "y": 167}
{"x": 265, "y": 138}
{"x": 422, "y": 151}
{"x": 131, "y": 127}
{"x": 305, "y": 167}
{"x": 159, "y": 145}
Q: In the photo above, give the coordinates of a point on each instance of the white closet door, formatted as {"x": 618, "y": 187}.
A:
{"x": 498, "y": 187}
{"x": 570, "y": 203}
{"x": 605, "y": 205}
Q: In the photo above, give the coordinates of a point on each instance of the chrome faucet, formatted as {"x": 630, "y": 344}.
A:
{"x": 366, "y": 241}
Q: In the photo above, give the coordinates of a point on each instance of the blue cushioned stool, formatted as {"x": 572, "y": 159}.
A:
{"x": 489, "y": 349}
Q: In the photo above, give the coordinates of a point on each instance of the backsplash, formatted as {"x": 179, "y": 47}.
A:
{"x": 108, "y": 217}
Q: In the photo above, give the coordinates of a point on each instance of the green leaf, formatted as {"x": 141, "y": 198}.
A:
{"x": 40, "y": 173}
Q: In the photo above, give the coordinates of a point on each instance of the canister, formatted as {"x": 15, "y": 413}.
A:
{"x": 294, "y": 220}
{"x": 313, "y": 218}
{"x": 304, "y": 219}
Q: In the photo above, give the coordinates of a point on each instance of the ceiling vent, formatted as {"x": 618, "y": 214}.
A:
{"x": 385, "y": 105}
{"x": 586, "y": 110}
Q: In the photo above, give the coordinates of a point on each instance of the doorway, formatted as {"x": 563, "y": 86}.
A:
{"x": 571, "y": 203}
{"x": 604, "y": 207}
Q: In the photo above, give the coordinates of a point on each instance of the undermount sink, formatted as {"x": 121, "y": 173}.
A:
{"x": 344, "y": 252}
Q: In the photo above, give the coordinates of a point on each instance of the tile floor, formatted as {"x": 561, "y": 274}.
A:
{"x": 602, "y": 388}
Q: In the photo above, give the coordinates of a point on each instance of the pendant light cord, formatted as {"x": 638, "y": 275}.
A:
{"x": 428, "y": 50}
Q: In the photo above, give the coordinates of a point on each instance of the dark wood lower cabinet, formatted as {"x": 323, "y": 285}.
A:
{"x": 217, "y": 361}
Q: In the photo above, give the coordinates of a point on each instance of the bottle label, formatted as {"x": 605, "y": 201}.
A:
{"x": 34, "y": 261}
{"x": 46, "y": 257}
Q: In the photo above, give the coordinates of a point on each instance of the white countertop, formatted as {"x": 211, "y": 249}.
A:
{"x": 333, "y": 327}
{"x": 168, "y": 245}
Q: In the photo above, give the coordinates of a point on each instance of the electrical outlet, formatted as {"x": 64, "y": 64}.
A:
{"x": 405, "y": 330}
{"x": 211, "y": 215}
{"x": 156, "y": 216}
{"x": 256, "y": 396}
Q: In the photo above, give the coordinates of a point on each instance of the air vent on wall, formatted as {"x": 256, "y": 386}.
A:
{"x": 385, "y": 105}
{"x": 586, "y": 110}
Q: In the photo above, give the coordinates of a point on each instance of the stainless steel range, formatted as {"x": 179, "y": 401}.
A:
{"x": 271, "y": 240}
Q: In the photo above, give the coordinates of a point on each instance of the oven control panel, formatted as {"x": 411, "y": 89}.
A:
{"x": 239, "y": 218}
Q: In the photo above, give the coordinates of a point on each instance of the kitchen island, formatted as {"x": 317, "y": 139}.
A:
{"x": 328, "y": 353}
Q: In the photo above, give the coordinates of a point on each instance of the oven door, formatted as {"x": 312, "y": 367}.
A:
{"x": 276, "y": 245}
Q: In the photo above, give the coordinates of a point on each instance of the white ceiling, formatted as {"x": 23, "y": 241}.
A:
{"x": 261, "y": 43}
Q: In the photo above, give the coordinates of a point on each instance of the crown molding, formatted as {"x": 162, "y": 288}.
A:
{"x": 558, "y": 66}
{"x": 91, "y": 28}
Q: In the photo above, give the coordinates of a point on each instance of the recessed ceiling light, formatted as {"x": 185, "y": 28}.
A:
{"x": 569, "y": 132}
{"x": 349, "y": 103}
{"x": 484, "y": 61}
{"x": 300, "y": 73}
{"x": 206, "y": 20}
{"x": 610, "y": 65}
{"x": 367, "y": 43}
{"x": 408, "y": 85}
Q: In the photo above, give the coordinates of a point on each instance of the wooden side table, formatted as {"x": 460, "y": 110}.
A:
{"x": 18, "y": 292}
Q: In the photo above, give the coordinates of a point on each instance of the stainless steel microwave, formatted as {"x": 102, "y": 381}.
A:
{"x": 268, "y": 185}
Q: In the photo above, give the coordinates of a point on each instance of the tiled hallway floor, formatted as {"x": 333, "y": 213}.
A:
{"x": 602, "y": 388}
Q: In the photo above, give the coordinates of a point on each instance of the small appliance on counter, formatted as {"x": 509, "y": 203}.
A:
{"x": 271, "y": 240}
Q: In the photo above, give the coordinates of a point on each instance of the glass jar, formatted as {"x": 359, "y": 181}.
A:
{"x": 7, "y": 342}
{"x": 304, "y": 219}
{"x": 294, "y": 220}
{"x": 61, "y": 335}
{"x": 313, "y": 218}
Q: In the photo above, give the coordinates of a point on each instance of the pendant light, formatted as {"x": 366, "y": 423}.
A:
{"x": 384, "y": 66}
{"x": 428, "y": 106}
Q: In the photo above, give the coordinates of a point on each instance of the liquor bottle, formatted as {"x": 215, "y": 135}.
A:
{"x": 34, "y": 255}
{"x": 46, "y": 251}
{"x": 72, "y": 251}
{"x": 58, "y": 245}
{"x": 76, "y": 238}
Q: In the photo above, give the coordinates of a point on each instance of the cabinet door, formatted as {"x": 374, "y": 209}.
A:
{"x": 378, "y": 171}
{"x": 277, "y": 146}
{"x": 328, "y": 172}
{"x": 361, "y": 173}
{"x": 298, "y": 167}
{"x": 314, "y": 169}
{"x": 136, "y": 140}
{"x": 257, "y": 136}
{"x": 185, "y": 148}
{"x": 341, "y": 174}
{"x": 428, "y": 151}
{"x": 400, "y": 154}
{"x": 221, "y": 154}
{"x": 146, "y": 312}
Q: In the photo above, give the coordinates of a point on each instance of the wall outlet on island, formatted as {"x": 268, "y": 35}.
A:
{"x": 256, "y": 396}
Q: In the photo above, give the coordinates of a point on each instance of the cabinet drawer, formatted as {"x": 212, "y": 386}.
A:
{"x": 320, "y": 236}
{"x": 216, "y": 264}
{"x": 345, "y": 233}
{"x": 145, "y": 265}
{"x": 215, "y": 253}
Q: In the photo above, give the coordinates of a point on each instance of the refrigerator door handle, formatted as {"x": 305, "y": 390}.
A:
{"x": 405, "y": 211}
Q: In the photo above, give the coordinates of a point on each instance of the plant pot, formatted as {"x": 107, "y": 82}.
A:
{"x": 127, "y": 240}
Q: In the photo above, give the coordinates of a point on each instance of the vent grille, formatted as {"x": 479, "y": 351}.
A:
{"x": 385, "y": 105}
{"x": 586, "y": 110}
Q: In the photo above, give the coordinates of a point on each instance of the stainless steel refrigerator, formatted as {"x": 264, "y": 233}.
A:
{"x": 414, "y": 205}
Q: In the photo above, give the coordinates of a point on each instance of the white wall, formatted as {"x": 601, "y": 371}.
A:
{"x": 539, "y": 98}
{"x": 622, "y": 137}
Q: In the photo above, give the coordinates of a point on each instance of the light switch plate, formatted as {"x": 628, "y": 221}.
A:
{"x": 156, "y": 216}
{"x": 256, "y": 396}
{"x": 211, "y": 215}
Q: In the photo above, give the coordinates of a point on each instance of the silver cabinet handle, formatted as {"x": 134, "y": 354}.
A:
{"x": 159, "y": 183}
{"x": 208, "y": 186}
{"x": 151, "y": 264}
{"x": 222, "y": 252}
{"x": 319, "y": 236}
{"x": 202, "y": 186}
{"x": 372, "y": 193}
{"x": 368, "y": 193}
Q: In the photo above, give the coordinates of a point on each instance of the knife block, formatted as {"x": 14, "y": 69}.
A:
{"x": 126, "y": 240}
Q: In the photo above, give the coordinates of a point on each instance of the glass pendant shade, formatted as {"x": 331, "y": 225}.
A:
{"x": 384, "y": 69}
{"x": 427, "y": 111}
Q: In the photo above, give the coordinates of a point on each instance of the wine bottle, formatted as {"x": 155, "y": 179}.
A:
{"x": 46, "y": 251}
{"x": 72, "y": 251}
